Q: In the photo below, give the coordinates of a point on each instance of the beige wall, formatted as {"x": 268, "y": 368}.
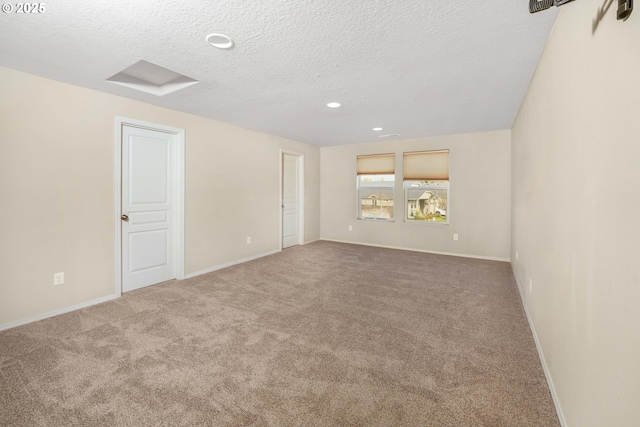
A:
{"x": 575, "y": 206}
{"x": 57, "y": 191}
{"x": 480, "y": 197}
{"x": 576, "y": 213}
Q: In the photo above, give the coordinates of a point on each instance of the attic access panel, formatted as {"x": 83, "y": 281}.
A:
{"x": 151, "y": 78}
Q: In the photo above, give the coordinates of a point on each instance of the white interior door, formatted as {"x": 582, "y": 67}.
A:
{"x": 148, "y": 207}
{"x": 290, "y": 200}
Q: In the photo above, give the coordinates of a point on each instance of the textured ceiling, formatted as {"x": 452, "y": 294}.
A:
{"x": 413, "y": 67}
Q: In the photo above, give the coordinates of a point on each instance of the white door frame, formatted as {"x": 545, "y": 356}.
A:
{"x": 300, "y": 166}
{"x": 179, "y": 177}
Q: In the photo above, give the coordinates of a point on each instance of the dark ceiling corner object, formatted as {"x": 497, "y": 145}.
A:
{"x": 538, "y": 5}
{"x": 625, "y": 7}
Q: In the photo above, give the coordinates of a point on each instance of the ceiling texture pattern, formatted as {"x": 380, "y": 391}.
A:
{"x": 413, "y": 67}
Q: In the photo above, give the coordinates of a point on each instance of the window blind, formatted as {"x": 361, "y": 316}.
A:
{"x": 426, "y": 165}
{"x": 376, "y": 164}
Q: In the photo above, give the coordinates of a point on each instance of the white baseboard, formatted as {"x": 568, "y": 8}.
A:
{"x": 112, "y": 297}
{"x": 420, "y": 250}
{"x": 229, "y": 264}
{"x": 545, "y": 367}
{"x": 311, "y": 241}
{"x": 56, "y": 312}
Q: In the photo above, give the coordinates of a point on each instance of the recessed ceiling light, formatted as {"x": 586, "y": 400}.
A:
{"x": 333, "y": 104}
{"x": 377, "y": 129}
{"x": 220, "y": 41}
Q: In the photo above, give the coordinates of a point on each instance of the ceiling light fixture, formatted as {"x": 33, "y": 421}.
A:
{"x": 333, "y": 105}
{"x": 220, "y": 41}
{"x": 377, "y": 129}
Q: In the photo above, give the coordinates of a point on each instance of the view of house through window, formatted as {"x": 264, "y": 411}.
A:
{"x": 375, "y": 193}
{"x": 426, "y": 200}
{"x": 426, "y": 185}
{"x": 376, "y": 186}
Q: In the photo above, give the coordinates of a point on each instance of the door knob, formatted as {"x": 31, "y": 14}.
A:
{"x": 125, "y": 217}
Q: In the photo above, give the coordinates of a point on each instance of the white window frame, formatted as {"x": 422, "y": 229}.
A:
{"x": 426, "y": 166}
{"x": 380, "y": 164}
{"x": 426, "y": 188}
{"x": 359, "y": 200}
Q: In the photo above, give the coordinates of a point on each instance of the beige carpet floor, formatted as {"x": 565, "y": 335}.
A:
{"x": 325, "y": 334}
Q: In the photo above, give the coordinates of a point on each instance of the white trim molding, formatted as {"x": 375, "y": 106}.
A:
{"x": 488, "y": 258}
{"x": 56, "y": 312}
{"x": 310, "y": 241}
{"x": 229, "y": 264}
{"x": 543, "y": 361}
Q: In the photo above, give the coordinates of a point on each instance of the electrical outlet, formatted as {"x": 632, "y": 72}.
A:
{"x": 530, "y": 285}
{"x": 58, "y": 279}
{"x": 516, "y": 254}
{"x": 455, "y": 237}
{"x": 248, "y": 240}
{"x": 350, "y": 228}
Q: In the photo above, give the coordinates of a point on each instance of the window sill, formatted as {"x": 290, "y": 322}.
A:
{"x": 409, "y": 221}
{"x": 377, "y": 219}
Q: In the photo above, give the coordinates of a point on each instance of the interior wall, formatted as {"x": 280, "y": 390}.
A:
{"x": 57, "y": 191}
{"x": 576, "y": 213}
{"x": 480, "y": 197}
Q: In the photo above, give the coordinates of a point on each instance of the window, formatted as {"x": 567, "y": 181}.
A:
{"x": 376, "y": 186}
{"x": 426, "y": 186}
